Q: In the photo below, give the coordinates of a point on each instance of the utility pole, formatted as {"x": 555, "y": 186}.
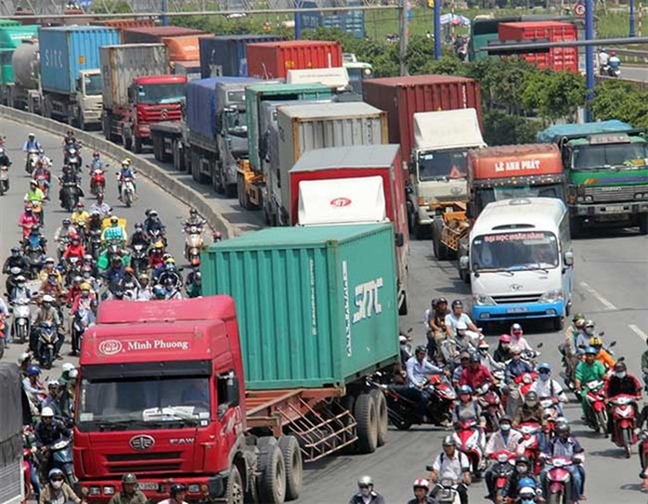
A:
{"x": 402, "y": 36}
{"x": 298, "y": 20}
{"x": 589, "y": 56}
{"x": 164, "y": 8}
{"x": 438, "y": 37}
{"x": 631, "y": 30}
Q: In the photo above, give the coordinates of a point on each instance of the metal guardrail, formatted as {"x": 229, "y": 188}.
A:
{"x": 633, "y": 56}
{"x": 163, "y": 180}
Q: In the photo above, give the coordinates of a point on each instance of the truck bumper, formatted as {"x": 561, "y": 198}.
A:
{"x": 425, "y": 215}
{"x": 609, "y": 209}
{"x": 517, "y": 311}
{"x": 200, "y": 489}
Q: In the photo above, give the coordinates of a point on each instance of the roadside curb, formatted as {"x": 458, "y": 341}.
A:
{"x": 176, "y": 189}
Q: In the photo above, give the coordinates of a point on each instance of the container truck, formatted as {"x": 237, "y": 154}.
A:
{"x": 272, "y": 60}
{"x": 71, "y": 79}
{"x": 352, "y": 185}
{"x": 12, "y": 485}
{"x": 607, "y": 171}
{"x": 252, "y": 190}
{"x": 229, "y": 394}
{"x": 138, "y": 90}
{"x": 24, "y": 93}
{"x": 304, "y": 127}
{"x": 11, "y": 36}
{"x": 226, "y": 55}
{"x": 438, "y": 166}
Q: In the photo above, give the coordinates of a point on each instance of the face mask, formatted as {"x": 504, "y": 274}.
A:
{"x": 85, "y": 294}
{"x": 527, "y": 501}
{"x": 505, "y": 427}
{"x": 57, "y": 484}
{"x": 544, "y": 376}
{"x": 21, "y": 285}
{"x": 531, "y": 404}
{"x": 621, "y": 374}
{"x": 366, "y": 492}
{"x": 522, "y": 469}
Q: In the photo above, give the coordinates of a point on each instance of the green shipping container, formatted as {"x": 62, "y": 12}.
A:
{"x": 9, "y": 22}
{"x": 11, "y": 37}
{"x": 317, "y": 306}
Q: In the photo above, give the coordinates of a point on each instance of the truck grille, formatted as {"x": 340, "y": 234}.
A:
{"x": 517, "y": 298}
{"x": 143, "y": 462}
{"x": 610, "y": 194}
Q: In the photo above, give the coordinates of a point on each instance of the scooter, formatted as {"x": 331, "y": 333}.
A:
{"x": 72, "y": 158}
{"x": 82, "y": 320}
{"x": 94, "y": 243}
{"x": 624, "y": 422}
{"x": 71, "y": 195}
{"x": 21, "y": 320}
{"x": 35, "y": 256}
{"x": 596, "y": 411}
{"x": 62, "y": 245}
{"x": 552, "y": 413}
{"x": 643, "y": 457}
{"x": 194, "y": 243}
{"x": 46, "y": 341}
{"x": 468, "y": 436}
{"x": 128, "y": 191}
{"x": 447, "y": 492}
{"x": 491, "y": 405}
{"x": 4, "y": 179}
{"x": 530, "y": 443}
{"x": 61, "y": 457}
{"x": 559, "y": 479}
{"x": 32, "y": 159}
{"x": 97, "y": 181}
{"x": 503, "y": 467}
{"x": 139, "y": 258}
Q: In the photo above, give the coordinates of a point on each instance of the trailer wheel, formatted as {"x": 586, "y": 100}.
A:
{"x": 367, "y": 419}
{"x": 382, "y": 415}
{"x": 292, "y": 456}
{"x": 137, "y": 145}
{"x": 272, "y": 482}
{"x": 643, "y": 224}
{"x": 402, "y": 309}
{"x": 235, "y": 488}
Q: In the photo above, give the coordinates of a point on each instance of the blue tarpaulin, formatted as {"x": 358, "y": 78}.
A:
{"x": 560, "y": 130}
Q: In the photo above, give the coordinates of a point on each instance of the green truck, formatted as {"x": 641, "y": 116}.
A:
{"x": 607, "y": 172}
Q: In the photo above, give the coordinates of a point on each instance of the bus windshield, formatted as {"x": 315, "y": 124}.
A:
{"x": 442, "y": 165}
{"x": 591, "y": 157}
{"x": 516, "y": 250}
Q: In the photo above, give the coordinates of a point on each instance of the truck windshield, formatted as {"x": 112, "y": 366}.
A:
{"x": 111, "y": 404}
{"x": 489, "y": 194}
{"x": 591, "y": 157}
{"x": 449, "y": 164}
{"x": 158, "y": 94}
{"x": 517, "y": 250}
{"x": 235, "y": 122}
{"x": 93, "y": 84}
{"x": 359, "y": 74}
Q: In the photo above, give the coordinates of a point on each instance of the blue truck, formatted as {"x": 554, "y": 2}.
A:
{"x": 70, "y": 72}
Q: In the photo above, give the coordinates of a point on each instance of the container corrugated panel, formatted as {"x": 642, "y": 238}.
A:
{"x": 183, "y": 48}
{"x": 9, "y": 22}
{"x": 402, "y": 97}
{"x": 64, "y": 51}
{"x": 201, "y": 105}
{"x": 120, "y": 64}
{"x": 121, "y": 24}
{"x": 304, "y": 128}
{"x": 313, "y": 311}
{"x": 155, "y": 34}
{"x": 11, "y": 37}
{"x": 227, "y": 54}
{"x": 274, "y": 92}
{"x": 272, "y": 60}
{"x": 530, "y": 30}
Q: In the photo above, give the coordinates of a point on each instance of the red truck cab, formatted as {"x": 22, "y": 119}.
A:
{"x": 161, "y": 395}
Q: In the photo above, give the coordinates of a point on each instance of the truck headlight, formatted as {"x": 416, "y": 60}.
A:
{"x": 552, "y": 296}
{"x": 580, "y": 199}
{"x": 109, "y": 490}
{"x": 94, "y": 490}
{"x": 589, "y": 199}
{"x": 482, "y": 300}
{"x": 193, "y": 488}
{"x": 641, "y": 196}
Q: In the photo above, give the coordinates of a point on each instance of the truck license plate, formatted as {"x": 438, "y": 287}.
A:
{"x": 520, "y": 309}
{"x": 615, "y": 210}
{"x": 148, "y": 486}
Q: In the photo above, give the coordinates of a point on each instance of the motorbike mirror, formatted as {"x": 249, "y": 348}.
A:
{"x": 613, "y": 343}
{"x": 540, "y": 345}
{"x": 621, "y": 359}
{"x": 602, "y": 333}
{"x": 429, "y": 468}
{"x": 582, "y": 346}
{"x": 410, "y": 330}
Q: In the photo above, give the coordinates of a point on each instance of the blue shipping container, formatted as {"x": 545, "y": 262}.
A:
{"x": 66, "y": 50}
{"x": 348, "y": 21}
{"x": 226, "y": 55}
{"x": 201, "y": 105}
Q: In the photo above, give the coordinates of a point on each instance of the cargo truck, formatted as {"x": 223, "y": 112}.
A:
{"x": 24, "y": 93}
{"x": 304, "y": 127}
{"x": 252, "y": 189}
{"x": 229, "y": 394}
{"x": 351, "y": 185}
{"x": 71, "y": 79}
{"x": 12, "y": 486}
{"x": 226, "y": 55}
{"x": 138, "y": 90}
{"x": 438, "y": 168}
{"x": 607, "y": 171}
{"x": 11, "y": 36}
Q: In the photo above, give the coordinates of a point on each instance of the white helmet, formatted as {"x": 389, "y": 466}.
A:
{"x": 48, "y": 299}
{"x": 73, "y": 374}
{"x": 23, "y": 357}
{"x": 52, "y": 383}
{"x": 421, "y": 483}
{"x": 67, "y": 367}
{"x": 365, "y": 481}
{"x": 47, "y": 412}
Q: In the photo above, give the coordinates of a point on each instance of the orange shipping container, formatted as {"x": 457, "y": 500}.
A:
{"x": 272, "y": 60}
{"x": 183, "y": 48}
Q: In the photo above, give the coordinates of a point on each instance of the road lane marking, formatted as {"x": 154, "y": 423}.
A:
{"x": 600, "y": 298}
{"x": 638, "y": 332}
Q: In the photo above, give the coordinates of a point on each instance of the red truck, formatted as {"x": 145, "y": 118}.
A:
{"x": 138, "y": 90}
{"x": 353, "y": 184}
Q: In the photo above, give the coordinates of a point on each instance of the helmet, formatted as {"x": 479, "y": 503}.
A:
{"x": 66, "y": 221}
{"x": 129, "y": 479}
{"x": 620, "y": 366}
{"x": 15, "y": 250}
{"x": 483, "y": 345}
{"x": 365, "y": 481}
{"x": 31, "y": 135}
{"x": 138, "y": 225}
{"x": 562, "y": 428}
{"x": 73, "y": 374}
{"x": 516, "y": 329}
{"x": 613, "y": 53}
{"x": 33, "y": 371}
{"x": 441, "y": 300}
{"x": 152, "y": 213}
{"x": 595, "y": 341}
{"x": 420, "y": 349}
{"x": 528, "y": 483}
{"x": 589, "y": 326}
{"x": 67, "y": 367}
{"x": 80, "y": 204}
{"x": 114, "y": 220}
{"x": 457, "y": 303}
{"x": 505, "y": 419}
{"x": 20, "y": 278}
{"x": 544, "y": 367}
{"x": 475, "y": 358}
{"x": 142, "y": 276}
{"x": 85, "y": 286}
{"x": 522, "y": 459}
{"x": 464, "y": 355}
{"x": 176, "y": 489}
{"x": 504, "y": 338}
{"x": 193, "y": 211}
{"x": 48, "y": 299}
{"x": 96, "y": 154}
{"x": 53, "y": 473}
{"x": 25, "y": 356}
{"x": 49, "y": 260}
{"x": 421, "y": 483}
{"x": 590, "y": 350}
{"x": 531, "y": 398}
{"x": 449, "y": 441}
{"x": 465, "y": 389}
{"x": 578, "y": 316}
{"x": 47, "y": 412}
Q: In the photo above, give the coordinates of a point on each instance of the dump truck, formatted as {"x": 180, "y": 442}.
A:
{"x": 607, "y": 170}
{"x": 197, "y": 392}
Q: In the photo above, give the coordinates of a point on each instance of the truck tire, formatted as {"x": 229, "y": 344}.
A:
{"x": 195, "y": 166}
{"x": 127, "y": 140}
{"x": 157, "y": 151}
{"x": 230, "y": 191}
{"x": 137, "y": 145}
{"x": 643, "y": 224}
{"x": 105, "y": 126}
{"x": 367, "y": 419}
{"x": 576, "y": 227}
{"x": 272, "y": 482}
{"x": 292, "y": 456}
{"x": 381, "y": 414}
{"x": 235, "y": 488}
{"x": 348, "y": 403}
{"x": 402, "y": 309}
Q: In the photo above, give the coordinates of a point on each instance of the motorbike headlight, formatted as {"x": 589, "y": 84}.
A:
{"x": 552, "y": 296}
{"x": 483, "y": 300}
{"x": 194, "y": 250}
{"x": 446, "y": 482}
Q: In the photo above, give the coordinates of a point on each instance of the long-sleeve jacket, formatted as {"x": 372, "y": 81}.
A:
{"x": 628, "y": 385}
{"x": 498, "y": 443}
{"x": 526, "y": 414}
{"x": 47, "y": 494}
{"x": 48, "y": 434}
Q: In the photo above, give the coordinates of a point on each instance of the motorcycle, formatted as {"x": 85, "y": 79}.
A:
{"x": 139, "y": 258}
{"x": 32, "y": 160}
{"x": 624, "y": 422}
{"x": 73, "y": 269}
{"x": 490, "y": 403}
{"x": 404, "y": 341}
{"x": 157, "y": 235}
{"x": 37, "y": 208}
{"x": 128, "y": 191}
{"x": 4, "y": 179}
{"x": 94, "y": 243}
{"x": 35, "y": 256}
{"x": 3, "y": 333}
{"x": 97, "y": 181}
{"x": 552, "y": 412}
{"x": 61, "y": 458}
{"x": 503, "y": 467}
{"x": 82, "y": 320}
{"x": 29, "y": 462}
{"x": 42, "y": 183}
{"x": 46, "y": 341}
{"x": 72, "y": 158}
{"x": 468, "y": 437}
{"x": 559, "y": 479}
{"x": 643, "y": 457}
{"x": 194, "y": 243}
{"x": 21, "y": 322}
{"x": 530, "y": 443}
{"x": 71, "y": 195}
{"x": 446, "y": 490}
{"x": 611, "y": 71}
{"x": 596, "y": 411}
{"x": 63, "y": 243}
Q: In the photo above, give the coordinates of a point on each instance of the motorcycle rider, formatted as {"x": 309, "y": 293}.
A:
{"x": 177, "y": 494}
{"x": 57, "y": 490}
{"x": 96, "y": 163}
{"x": 194, "y": 220}
{"x": 546, "y": 387}
{"x": 601, "y": 353}
{"x": 583, "y": 337}
{"x": 515, "y": 368}
{"x": 34, "y": 195}
{"x": 101, "y": 207}
{"x": 486, "y": 358}
{"x": 421, "y": 490}
{"x": 172, "y": 292}
{"x": 144, "y": 292}
{"x": 644, "y": 366}
{"x": 115, "y": 272}
{"x": 564, "y": 445}
{"x": 451, "y": 464}
{"x": 467, "y": 409}
{"x": 125, "y": 172}
{"x": 34, "y": 237}
{"x": 194, "y": 284}
{"x": 156, "y": 256}
{"x": 48, "y": 431}
{"x": 65, "y": 230}
{"x": 587, "y": 370}
{"x": 520, "y": 473}
{"x": 603, "y": 60}
{"x": 15, "y": 260}
{"x": 621, "y": 383}
{"x": 80, "y": 217}
{"x": 434, "y": 321}
{"x": 505, "y": 439}
{"x": 518, "y": 340}
{"x": 129, "y": 494}
{"x": 47, "y": 313}
{"x": 457, "y": 315}
{"x": 114, "y": 232}
{"x": 74, "y": 249}
{"x": 48, "y": 270}
{"x": 33, "y": 387}
{"x": 84, "y": 300}
{"x": 418, "y": 369}
{"x": 20, "y": 290}
{"x": 531, "y": 411}
{"x": 53, "y": 398}
{"x": 43, "y": 175}
{"x": 139, "y": 237}
{"x": 366, "y": 493}
{"x": 153, "y": 222}
{"x": 69, "y": 177}
{"x": 28, "y": 219}
{"x": 32, "y": 143}
{"x": 614, "y": 62}
{"x": 4, "y": 158}
{"x": 476, "y": 374}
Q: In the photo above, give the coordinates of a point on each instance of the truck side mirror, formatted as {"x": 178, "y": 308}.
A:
{"x": 412, "y": 168}
{"x": 233, "y": 392}
{"x": 569, "y": 258}
{"x": 400, "y": 239}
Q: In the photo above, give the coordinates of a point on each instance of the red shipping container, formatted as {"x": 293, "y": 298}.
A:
{"x": 402, "y": 97}
{"x": 155, "y": 34}
{"x": 272, "y": 60}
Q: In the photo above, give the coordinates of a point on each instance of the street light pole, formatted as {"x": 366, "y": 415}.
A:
{"x": 589, "y": 56}
{"x": 631, "y": 31}
{"x": 437, "y": 29}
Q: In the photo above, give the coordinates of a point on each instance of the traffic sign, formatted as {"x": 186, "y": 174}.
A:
{"x": 579, "y": 9}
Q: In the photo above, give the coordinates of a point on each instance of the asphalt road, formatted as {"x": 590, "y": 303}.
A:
{"x": 611, "y": 278}
{"x": 634, "y": 73}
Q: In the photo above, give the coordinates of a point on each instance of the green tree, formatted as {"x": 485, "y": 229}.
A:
{"x": 501, "y": 128}
{"x": 620, "y": 100}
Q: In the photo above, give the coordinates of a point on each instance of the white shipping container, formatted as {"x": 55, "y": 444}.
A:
{"x": 316, "y": 126}
{"x": 120, "y": 64}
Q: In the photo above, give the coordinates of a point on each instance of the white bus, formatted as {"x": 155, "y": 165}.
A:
{"x": 521, "y": 261}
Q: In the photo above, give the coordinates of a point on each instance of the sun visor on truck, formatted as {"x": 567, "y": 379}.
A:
{"x": 11, "y": 413}
{"x": 341, "y": 201}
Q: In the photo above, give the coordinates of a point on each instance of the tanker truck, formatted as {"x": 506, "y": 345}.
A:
{"x": 24, "y": 93}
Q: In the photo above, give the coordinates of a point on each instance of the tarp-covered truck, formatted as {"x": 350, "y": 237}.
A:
{"x": 11, "y": 442}
{"x": 607, "y": 171}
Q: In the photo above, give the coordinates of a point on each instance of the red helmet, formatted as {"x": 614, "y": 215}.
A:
{"x": 504, "y": 338}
